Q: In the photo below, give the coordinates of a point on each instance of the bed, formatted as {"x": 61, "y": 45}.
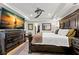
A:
{"x": 53, "y": 42}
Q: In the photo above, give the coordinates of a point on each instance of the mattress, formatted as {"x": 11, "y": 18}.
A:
{"x": 54, "y": 39}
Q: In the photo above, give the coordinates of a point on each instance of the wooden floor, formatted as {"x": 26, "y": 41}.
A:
{"x": 23, "y": 50}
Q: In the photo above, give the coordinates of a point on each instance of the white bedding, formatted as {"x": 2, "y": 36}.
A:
{"x": 54, "y": 39}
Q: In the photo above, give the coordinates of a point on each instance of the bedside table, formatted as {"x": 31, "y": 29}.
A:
{"x": 76, "y": 46}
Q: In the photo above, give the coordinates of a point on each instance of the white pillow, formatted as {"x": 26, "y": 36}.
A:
{"x": 63, "y": 32}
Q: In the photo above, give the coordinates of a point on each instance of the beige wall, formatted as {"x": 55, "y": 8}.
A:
{"x": 54, "y": 26}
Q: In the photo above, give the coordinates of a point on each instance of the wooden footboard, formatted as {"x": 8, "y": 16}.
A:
{"x": 50, "y": 49}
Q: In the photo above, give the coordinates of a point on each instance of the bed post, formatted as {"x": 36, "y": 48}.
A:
{"x": 30, "y": 39}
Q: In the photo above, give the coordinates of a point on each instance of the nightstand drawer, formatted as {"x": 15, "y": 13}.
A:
{"x": 76, "y": 45}
{"x": 76, "y": 41}
{"x": 76, "y": 51}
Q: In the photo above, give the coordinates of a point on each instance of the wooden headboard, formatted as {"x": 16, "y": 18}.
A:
{"x": 71, "y": 21}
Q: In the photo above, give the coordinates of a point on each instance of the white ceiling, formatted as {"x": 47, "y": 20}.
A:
{"x": 52, "y": 10}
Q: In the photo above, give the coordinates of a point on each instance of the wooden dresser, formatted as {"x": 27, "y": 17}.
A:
{"x": 10, "y": 39}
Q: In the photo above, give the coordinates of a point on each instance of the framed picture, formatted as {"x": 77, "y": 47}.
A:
{"x": 46, "y": 26}
{"x": 30, "y": 26}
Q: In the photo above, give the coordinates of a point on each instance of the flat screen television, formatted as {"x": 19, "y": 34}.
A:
{"x": 10, "y": 20}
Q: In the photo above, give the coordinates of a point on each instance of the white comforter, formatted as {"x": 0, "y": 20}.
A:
{"x": 54, "y": 39}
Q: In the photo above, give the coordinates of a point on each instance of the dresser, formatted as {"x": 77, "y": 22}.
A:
{"x": 10, "y": 39}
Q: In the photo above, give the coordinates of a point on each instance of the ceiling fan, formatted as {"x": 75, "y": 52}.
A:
{"x": 38, "y": 11}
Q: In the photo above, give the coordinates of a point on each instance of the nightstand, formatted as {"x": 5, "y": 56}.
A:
{"x": 76, "y": 46}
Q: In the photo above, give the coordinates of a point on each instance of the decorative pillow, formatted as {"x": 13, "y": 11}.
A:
{"x": 73, "y": 34}
{"x": 63, "y": 32}
{"x": 71, "y": 31}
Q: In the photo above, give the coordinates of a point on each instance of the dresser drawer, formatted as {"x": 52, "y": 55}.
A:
{"x": 76, "y": 41}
